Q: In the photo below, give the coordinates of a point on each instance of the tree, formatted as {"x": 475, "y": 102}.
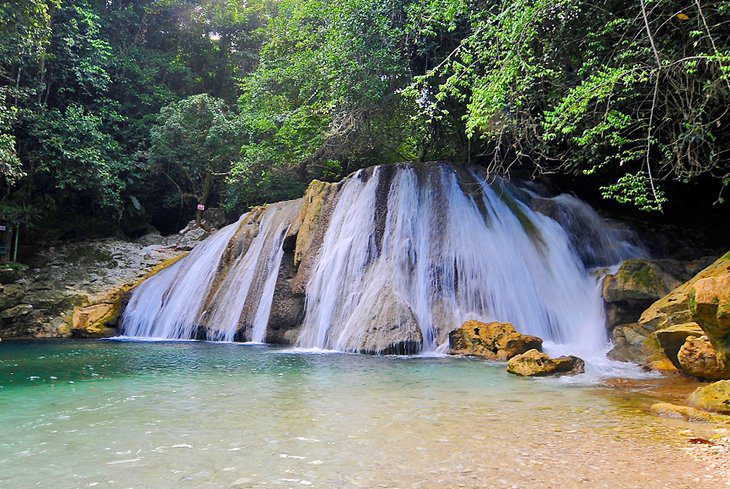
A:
{"x": 193, "y": 145}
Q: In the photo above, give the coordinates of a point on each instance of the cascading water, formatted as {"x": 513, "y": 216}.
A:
{"x": 403, "y": 256}
{"x": 452, "y": 247}
{"x": 203, "y": 290}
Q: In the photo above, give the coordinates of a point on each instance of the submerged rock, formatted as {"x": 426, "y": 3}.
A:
{"x": 714, "y": 397}
{"x": 687, "y": 413}
{"x": 536, "y": 364}
{"x": 697, "y": 357}
{"x": 495, "y": 340}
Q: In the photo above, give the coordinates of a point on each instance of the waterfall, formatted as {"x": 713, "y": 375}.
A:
{"x": 453, "y": 247}
{"x": 206, "y": 289}
{"x": 399, "y": 256}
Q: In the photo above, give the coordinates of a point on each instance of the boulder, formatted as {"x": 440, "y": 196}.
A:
{"x": 495, "y": 340}
{"x": 674, "y": 308}
{"x": 714, "y": 397}
{"x": 392, "y": 329}
{"x": 667, "y": 342}
{"x": 628, "y": 341}
{"x": 537, "y": 364}
{"x": 710, "y": 306}
{"x": 687, "y": 413}
{"x": 638, "y": 283}
{"x": 637, "y": 280}
{"x": 91, "y": 321}
{"x": 697, "y": 357}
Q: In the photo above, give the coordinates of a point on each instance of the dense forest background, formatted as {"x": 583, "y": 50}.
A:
{"x": 116, "y": 114}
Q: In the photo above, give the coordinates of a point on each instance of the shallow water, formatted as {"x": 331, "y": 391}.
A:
{"x": 205, "y": 415}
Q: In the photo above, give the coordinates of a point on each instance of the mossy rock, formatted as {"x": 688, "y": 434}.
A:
{"x": 663, "y": 346}
{"x": 636, "y": 280}
{"x": 714, "y": 397}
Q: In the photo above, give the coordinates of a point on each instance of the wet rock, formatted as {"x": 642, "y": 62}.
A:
{"x": 537, "y": 364}
{"x": 628, "y": 343}
{"x": 687, "y": 413}
{"x": 392, "y": 329}
{"x": 287, "y": 308}
{"x": 637, "y": 280}
{"x": 637, "y": 284}
{"x": 495, "y": 340}
{"x": 714, "y": 397}
{"x": 308, "y": 231}
{"x": 698, "y": 358}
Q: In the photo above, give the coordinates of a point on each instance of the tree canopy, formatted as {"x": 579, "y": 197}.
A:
{"x": 128, "y": 111}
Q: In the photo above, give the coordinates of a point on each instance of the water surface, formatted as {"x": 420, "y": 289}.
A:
{"x": 208, "y": 415}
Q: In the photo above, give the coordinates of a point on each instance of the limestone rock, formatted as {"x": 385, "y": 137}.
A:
{"x": 10, "y": 295}
{"x": 309, "y": 229}
{"x": 697, "y": 357}
{"x": 674, "y": 308}
{"x": 687, "y": 413}
{"x": 495, "y": 340}
{"x": 91, "y": 321}
{"x": 640, "y": 282}
{"x": 16, "y": 311}
{"x": 536, "y": 364}
{"x": 392, "y": 330}
{"x": 710, "y": 306}
{"x": 668, "y": 341}
{"x": 628, "y": 341}
{"x": 714, "y": 397}
{"x": 637, "y": 280}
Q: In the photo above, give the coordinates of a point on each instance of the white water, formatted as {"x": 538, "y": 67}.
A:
{"x": 450, "y": 255}
{"x": 168, "y": 304}
{"x": 172, "y": 304}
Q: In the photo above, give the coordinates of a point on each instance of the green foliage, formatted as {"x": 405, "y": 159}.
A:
{"x": 594, "y": 88}
{"x": 193, "y": 145}
{"x": 125, "y": 111}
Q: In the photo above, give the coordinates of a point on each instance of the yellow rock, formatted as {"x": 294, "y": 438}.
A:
{"x": 93, "y": 319}
{"x": 687, "y": 413}
{"x": 697, "y": 357}
{"x": 714, "y": 397}
{"x": 535, "y": 364}
{"x": 495, "y": 340}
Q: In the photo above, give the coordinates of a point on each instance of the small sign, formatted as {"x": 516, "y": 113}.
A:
{"x": 3, "y": 227}
{"x": 201, "y": 207}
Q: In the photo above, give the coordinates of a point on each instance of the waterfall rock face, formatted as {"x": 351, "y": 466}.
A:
{"x": 391, "y": 260}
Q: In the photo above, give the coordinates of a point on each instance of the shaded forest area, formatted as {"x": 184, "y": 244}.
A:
{"x": 118, "y": 114}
